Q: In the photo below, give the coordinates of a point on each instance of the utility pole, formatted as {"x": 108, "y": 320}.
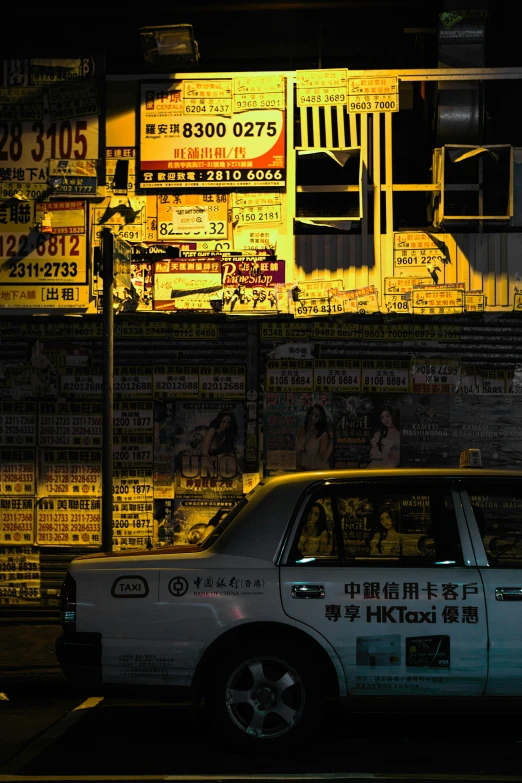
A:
{"x": 107, "y": 241}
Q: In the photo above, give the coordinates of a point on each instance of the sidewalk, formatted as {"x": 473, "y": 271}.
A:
{"x": 28, "y": 658}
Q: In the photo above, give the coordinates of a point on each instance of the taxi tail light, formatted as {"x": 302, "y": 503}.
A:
{"x": 68, "y": 604}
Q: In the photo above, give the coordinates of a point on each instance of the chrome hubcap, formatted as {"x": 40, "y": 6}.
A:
{"x": 264, "y": 697}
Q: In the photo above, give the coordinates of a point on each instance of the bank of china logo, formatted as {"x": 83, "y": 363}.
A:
{"x": 178, "y": 586}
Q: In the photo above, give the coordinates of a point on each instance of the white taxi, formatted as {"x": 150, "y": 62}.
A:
{"x": 315, "y": 586}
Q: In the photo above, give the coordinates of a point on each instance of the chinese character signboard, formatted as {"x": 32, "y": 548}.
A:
{"x": 189, "y": 138}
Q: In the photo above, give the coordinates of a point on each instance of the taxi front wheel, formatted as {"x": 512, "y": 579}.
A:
{"x": 271, "y": 694}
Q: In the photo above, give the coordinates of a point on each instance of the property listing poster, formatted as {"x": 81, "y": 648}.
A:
{"x": 209, "y": 447}
{"x": 19, "y": 574}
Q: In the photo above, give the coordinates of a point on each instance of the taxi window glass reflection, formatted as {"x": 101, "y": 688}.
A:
{"x": 399, "y": 527}
{"x": 499, "y": 519}
{"x": 316, "y": 538}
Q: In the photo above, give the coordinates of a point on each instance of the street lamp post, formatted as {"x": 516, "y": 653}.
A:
{"x": 107, "y": 386}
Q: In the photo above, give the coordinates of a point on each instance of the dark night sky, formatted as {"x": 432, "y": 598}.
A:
{"x": 255, "y": 35}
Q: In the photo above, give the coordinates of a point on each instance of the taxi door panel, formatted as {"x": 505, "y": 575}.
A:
{"x": 396, "y": 594}
{"x": 494, "y": 516}
{"x": 402, "y": 632}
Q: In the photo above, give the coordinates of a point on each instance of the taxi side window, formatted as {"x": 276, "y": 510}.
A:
{"x": 316, "y": 534}
{"x": 400, "y": 528}
{"x": 499, "y": 519}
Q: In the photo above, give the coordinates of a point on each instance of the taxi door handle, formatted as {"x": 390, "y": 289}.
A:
{"x": 307, "y": 591}
{"x": 508, "y": 593}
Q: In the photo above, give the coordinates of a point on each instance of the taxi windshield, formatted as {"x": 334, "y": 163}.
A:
{"x": 223, "y": 518}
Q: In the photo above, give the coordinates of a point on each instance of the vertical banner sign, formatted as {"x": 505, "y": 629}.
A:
{"x": 322, "y": 87}
{"x": 377, "y": 93}
{"x": 189, "y": 138}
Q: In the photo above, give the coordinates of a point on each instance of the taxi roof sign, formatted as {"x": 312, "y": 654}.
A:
{"x": 470, "y": 458}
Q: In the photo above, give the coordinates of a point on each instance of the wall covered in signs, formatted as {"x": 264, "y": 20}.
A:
{"x": 212, "y": 404}
{"x": 274, "y": 312}
{"x": 247, "y": 194}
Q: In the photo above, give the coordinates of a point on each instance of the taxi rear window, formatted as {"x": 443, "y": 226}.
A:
{"x": 393, "y": 525}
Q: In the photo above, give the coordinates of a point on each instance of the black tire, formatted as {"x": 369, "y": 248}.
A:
{"x": 265, "y": 697}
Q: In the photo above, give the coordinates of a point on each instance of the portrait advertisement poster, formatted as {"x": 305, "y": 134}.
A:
{"x": 188, "y": 521}
{"x": 209, "y": 447}
{"x": 425, "y": 431}
{"x": 367, "y": 430}
{"x": 491, "y": 423}
{"x": 298, "y": 431}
